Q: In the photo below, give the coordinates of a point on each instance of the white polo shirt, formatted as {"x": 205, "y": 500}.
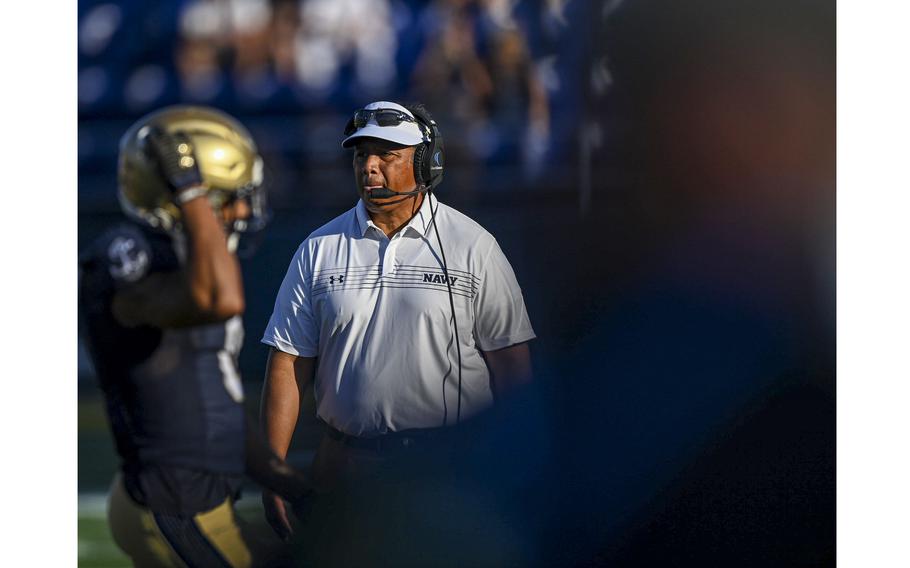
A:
{"x": 376, "y": 313}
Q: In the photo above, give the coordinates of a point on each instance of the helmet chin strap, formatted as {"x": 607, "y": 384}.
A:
{"x": 233, "y": 231}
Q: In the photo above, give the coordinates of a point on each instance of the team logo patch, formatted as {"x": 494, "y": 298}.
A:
{"x": 128, "y": 261}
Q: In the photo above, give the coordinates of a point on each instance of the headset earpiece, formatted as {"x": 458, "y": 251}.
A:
{"x": 429, "y": 157}
{"x": 421, "y": 171}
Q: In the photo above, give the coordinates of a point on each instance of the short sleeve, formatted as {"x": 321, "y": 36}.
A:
{"x": 292, "y": 328}
{"x": 500, "y": 316}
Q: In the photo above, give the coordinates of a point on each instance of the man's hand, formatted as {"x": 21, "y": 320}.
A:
{"x": 276, "y": 514}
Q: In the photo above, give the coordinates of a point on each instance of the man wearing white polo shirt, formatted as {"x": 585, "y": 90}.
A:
{"x": 405, "y": 311}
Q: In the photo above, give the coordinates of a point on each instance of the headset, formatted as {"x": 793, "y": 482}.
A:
{"x": 429, "y": 157}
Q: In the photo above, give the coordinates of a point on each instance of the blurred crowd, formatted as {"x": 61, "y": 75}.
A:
{"x": 488, "y": 69}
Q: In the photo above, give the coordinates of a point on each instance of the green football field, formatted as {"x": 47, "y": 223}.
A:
{"x": 96, "y": 548}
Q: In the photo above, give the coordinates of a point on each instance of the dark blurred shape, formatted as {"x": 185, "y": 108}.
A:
{"x": 708, "y": 382}
{"x": 716, "y": 372}
{"x": 470, "y": 499}
{"x": 761, "y": 495}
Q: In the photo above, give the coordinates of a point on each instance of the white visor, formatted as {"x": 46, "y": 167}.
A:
{"x": 405, "y": 133}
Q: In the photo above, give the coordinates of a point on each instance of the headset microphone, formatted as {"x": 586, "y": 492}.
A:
{"x": 384, "y": 192}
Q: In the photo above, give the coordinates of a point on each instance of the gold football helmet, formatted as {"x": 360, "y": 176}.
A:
{"x": 226, "y": 155}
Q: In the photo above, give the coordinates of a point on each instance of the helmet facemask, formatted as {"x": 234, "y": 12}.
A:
{"x": 245, "y": 235}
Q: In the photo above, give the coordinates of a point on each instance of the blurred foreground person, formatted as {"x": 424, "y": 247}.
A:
{"x": 707, "y": 380}
{"x": 161, "y": 297}
{"x": 403, "y": 313}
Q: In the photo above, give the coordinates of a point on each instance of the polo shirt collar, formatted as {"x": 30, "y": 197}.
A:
{"x": 422, "y": 221}
{"x": 363, "y": 219}
{"x": 419, "y": 223}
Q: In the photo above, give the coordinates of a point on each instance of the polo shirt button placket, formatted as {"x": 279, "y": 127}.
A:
{"x": 388, "y": 257}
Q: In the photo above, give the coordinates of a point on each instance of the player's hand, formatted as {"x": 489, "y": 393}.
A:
{"x": 276, "y": 514}
{"x": 175, "y": 157}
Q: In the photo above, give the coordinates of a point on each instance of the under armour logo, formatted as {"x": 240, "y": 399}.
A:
{"x": 339, "y": 278}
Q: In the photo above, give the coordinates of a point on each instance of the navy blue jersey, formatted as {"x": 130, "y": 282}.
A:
{"x": 174, "y": 396}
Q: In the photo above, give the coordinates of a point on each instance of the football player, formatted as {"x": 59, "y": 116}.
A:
{"x": 161, "y": 298}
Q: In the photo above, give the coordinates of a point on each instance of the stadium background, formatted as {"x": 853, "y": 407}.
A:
{"x": 662, "y": 180}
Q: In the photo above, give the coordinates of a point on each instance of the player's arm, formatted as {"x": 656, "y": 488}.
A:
{"x": 510, "y": 367}
{"x": 286, "y": 379}
{"x": 209, "y": 288}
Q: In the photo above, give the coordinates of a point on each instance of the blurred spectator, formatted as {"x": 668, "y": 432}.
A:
{"x": 93, "y": 85}
{"x": 222, "y": 42}
{"x": 449, "y": 76}
{"x": 555, "y": 10}
{"x": 200, "y": 50}
{"x": 97, "y": 29}
{"x": 518, "y": 105}
{"x": 106, "y": 55}
{"x": 334, "y": 33}
{"x": 146, "y": 86}
{"x": 201, "y": 77}
{"x": 251, "y": 21}
{"x": 285, "y": 21}
{"x": 500, "y": 12}
{"x": 498, "y": 100}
